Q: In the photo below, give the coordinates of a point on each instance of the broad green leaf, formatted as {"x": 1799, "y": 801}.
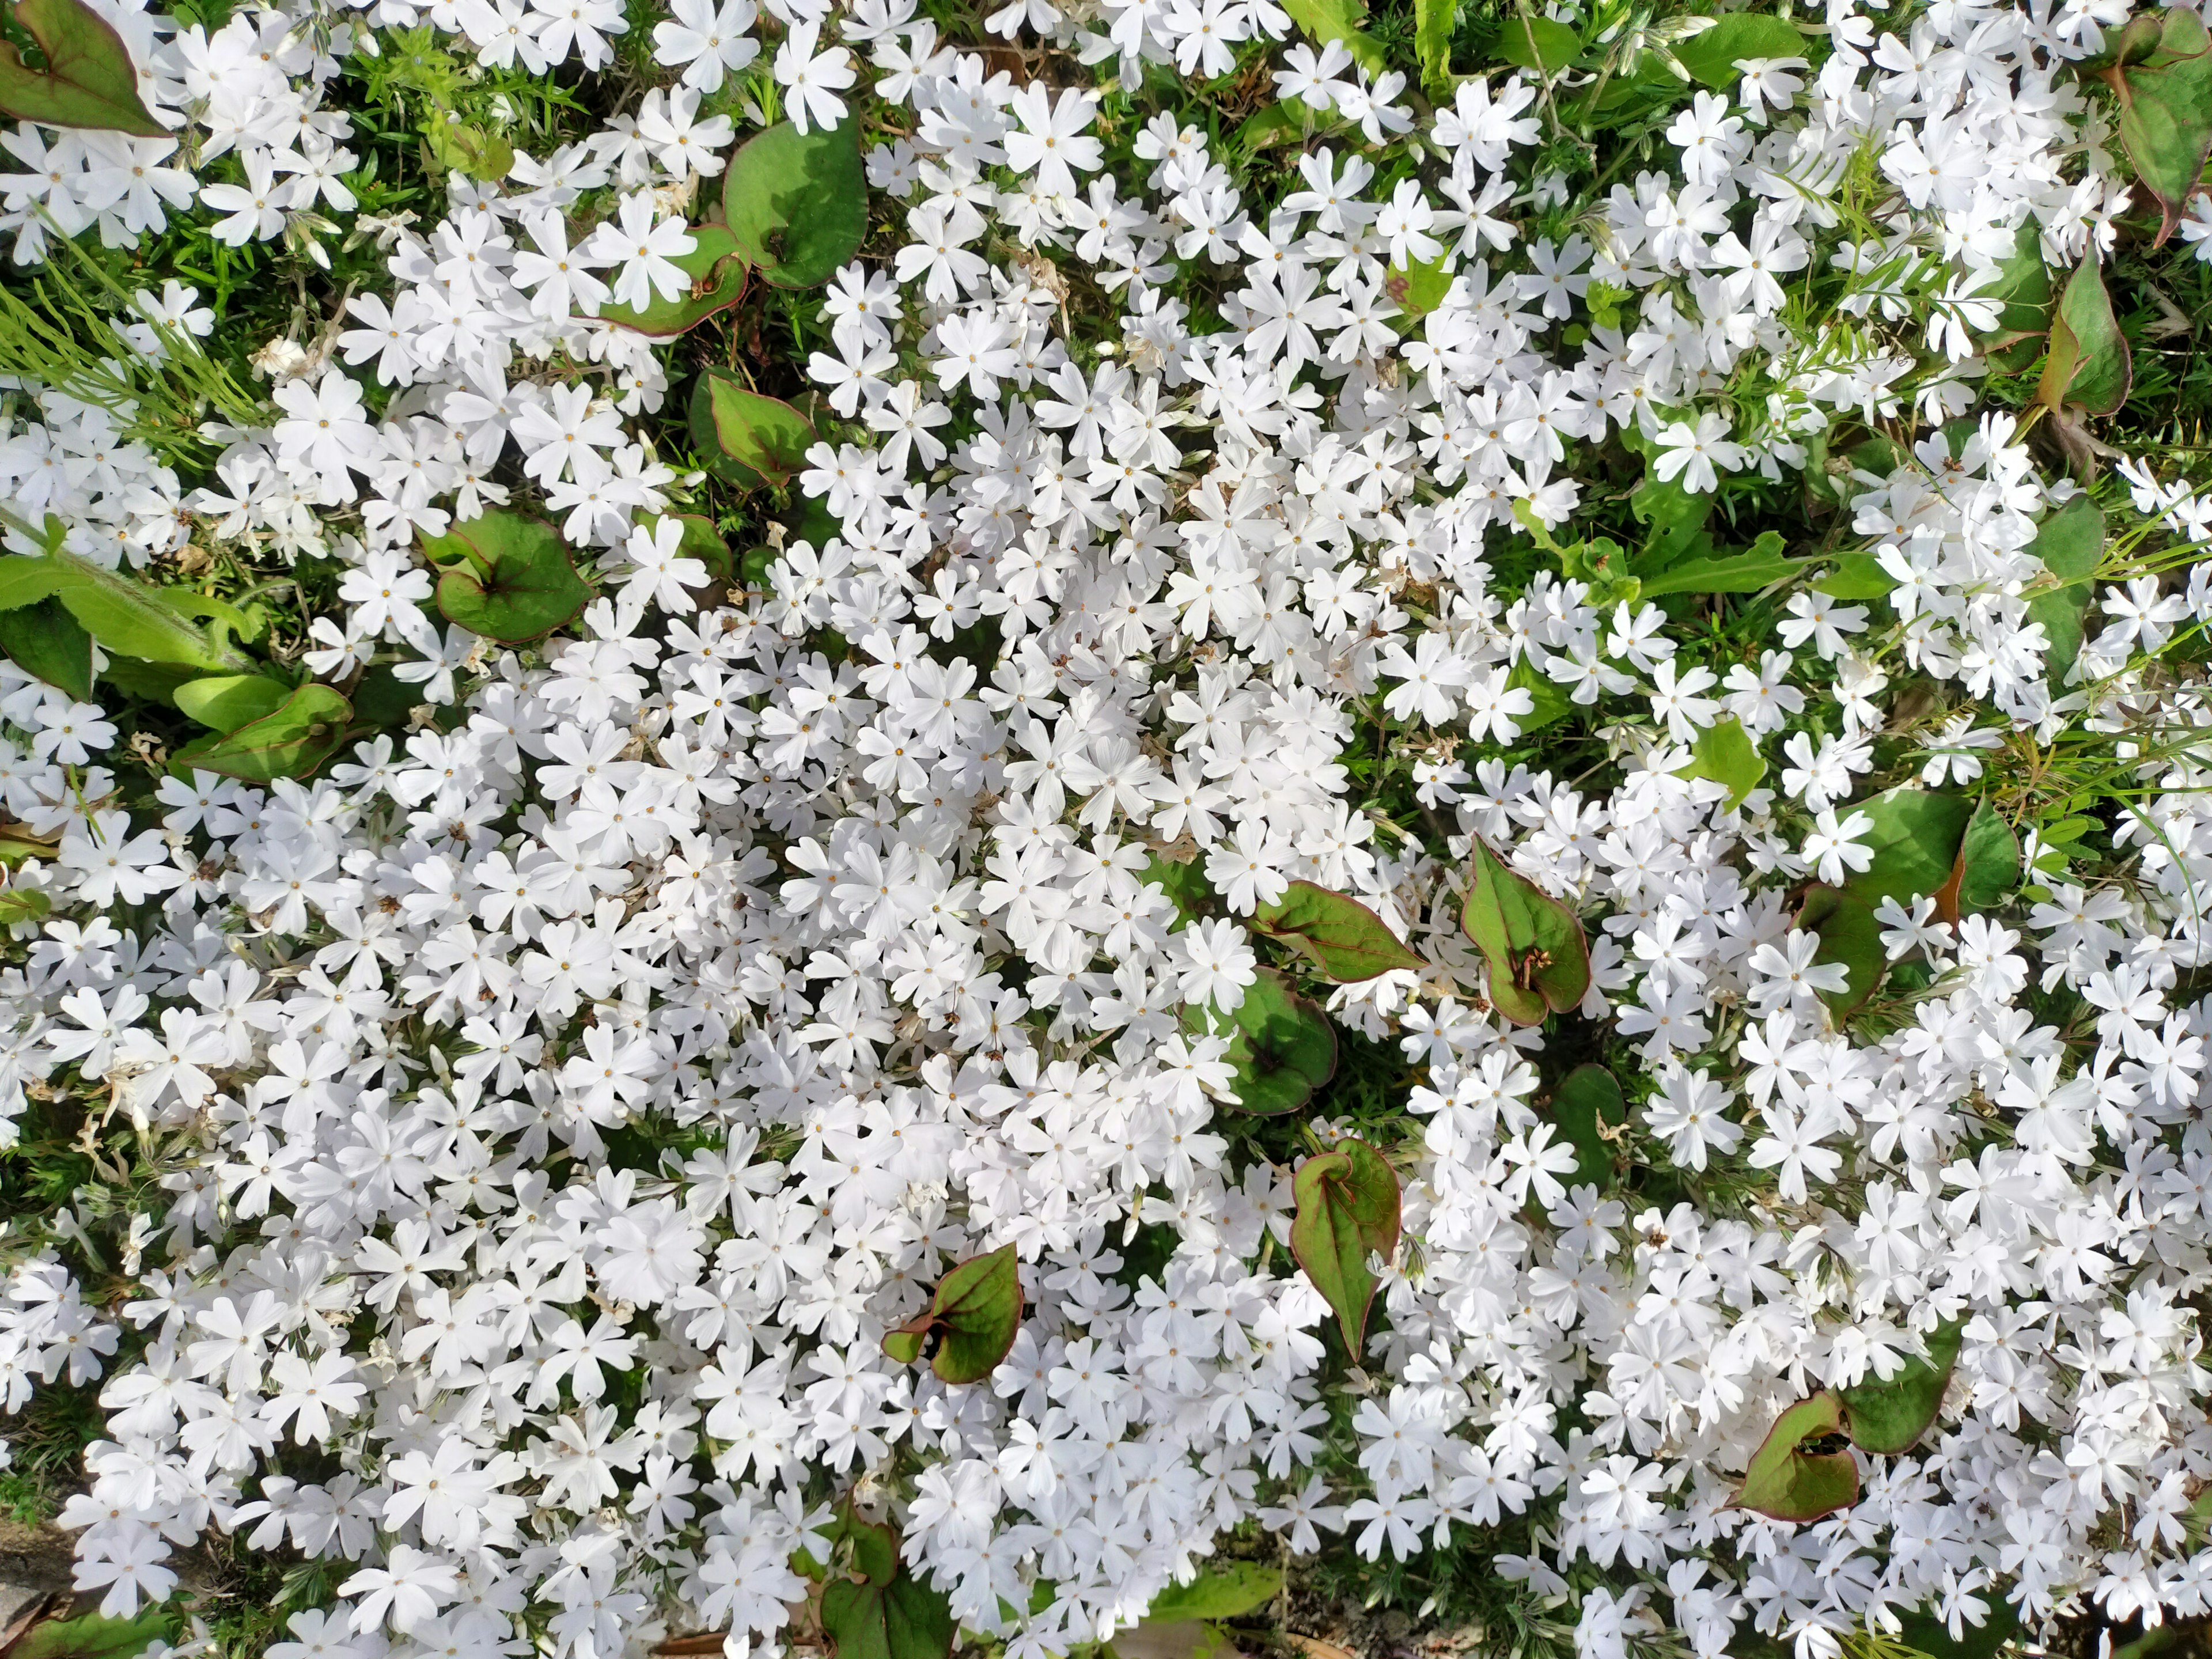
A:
{"x": 1724, "y": 753}
{"x": 1915, "y": 842}
{"x": 1433, "y": 22}
{"x": 1185, "y": 885}
{"x": 702, "y": 541}
{"x": 2071, "y": 545}
{"x": 1788, "y": 1481}
{"x": 1675, "y": 521}
{"x": 1349, "y": 940}
{"x": 1711, "y": 55}
{"x": 290, "y": 742}
{"x": 19, "y": 904}
{"x": 1760, "y": 566}
{"x": 1228, "y": 1591}
{"x": 44, "y": 639}
{"x": 717, "y": 271}
{"x": 1538, "y": 43}
{"x": 507, "y": 576}
{"x": 2088, "y": 364}
{"x": 227, "y": 702}
{"x": 89, "y": 80}
{"x": 1417, "y": 289}
{"x": 1281, "y": 1046}
{"x": 744, "y": 437}
{"x": 1286, "y": 121}
{"x": 95, "y": 1637}
{"x": 797, "y": 203}
{"x": 1889, "y": 1418}
{"x": 18, "y": 843}
{"x": 132, "y": 618}
{"x": 1852, "y": 576}
{"x": 27, "y": 580}
{"x": 469, "y": 150}
{"x": 2166, "y": 111}
{"x": 1347, "y": 1210}
{"x": 890, "y": 1614}
{"x": 1923, "y": 1632}
{"x": 1987, "y": 866}
{"x": 1850, "y": 936}
{"x": 1587, "y": 1097}
{"x": 1538, "y": 956}
{"x": 1553, "y": 701}
{"x": 973, "y": 1316}
{"x": 2022, "y": 290}
{"x": 1339, "y": 20}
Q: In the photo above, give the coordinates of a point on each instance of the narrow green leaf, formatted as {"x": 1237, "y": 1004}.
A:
{"x": 1347, "y": 1210}
{"x": 1760, "y": 566}
{"x": 797, "y": 203}
{"x": 1889, "y": 1418}
{"x": 1281, "y": 1046}
{"x": 46, "y": 641}
{"x": 93, "y": 1636}
{"x": 290, "y": 742}
{"x": 508, "y": 577}
{"x": 1724, "y": 753}
{"x": 89, "y": 79}
{"x": 1348, "y": 939}
{"x": 133, "y": 619}
{"x": 1786, "y": 1481}
{"x": 1538, "y": 956}
{"x": 975, "y": 1314}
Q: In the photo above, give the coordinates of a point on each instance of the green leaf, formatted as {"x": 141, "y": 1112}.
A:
{"x": 1349, "y": 940}
{"x": 23, "y": 904}
{"x": 797, "y": 203}
{"x": 1185, "y": 885}
{"x": 1855, "y": 577}
{"x": 1889, "y": 1418}
{"x": 95, "y": 1637}
{"x": 1711, "y": 55}
{"x": 508, "y": 577}
{"x": 1675, "y": 519}
{"x": 44, "y": 639}
{"x": 17, "y": 843}
{"x": 1724, "y": 753}
{"x": 227, "y": 702}
{"x": 1915, "y": 841}
{"x": 89, "y": 80}
{"x": 2165, "y": 111}
{"x": 134, "y": 619}
{"x": 290, "y": 742}
{"x": 1228, "y": 1591}
{"x": 1417, "y": 289}
{"x": 1987, "y": 866}
{"x": 1288, "y": 121}
{"x": 718, "y": 273}
{"x": 1348, "y": 1209}
{"x": 1553, "y": 701}
{"x": 27, "y": 580}
{"x": 468, "y": 151}
{"x": 744, "y": 438}
{"x": 2071, "y": 545}
{"x": 2088, "y": 364}
{"x": 2022, "y": 290}
{"x": 1848, "y": 935}
{"x": 973, "y": 1315}
{"x": 1786, "y": 1481}
{"x": 1923, "y": 1632}
{"x": 1539, "y": 958}
{"x": 890, "y": 1614}
{"x": 1588, "y": 1096}
{"x": 1538, "y": 43}
{"x": 1433, "y": 22}
{"x": 1339, "y": 20}
{"x": 702, "y": 541}
{"x": 1761, "y": 566}
{"x": 1281, "y": 1046}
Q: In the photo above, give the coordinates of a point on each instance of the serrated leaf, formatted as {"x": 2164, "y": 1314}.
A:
{"x": 290, "y": 742}
{"x": 2088, "y": 364}
{"x": 1339, "y": 20}
{"x": 1538, "y": 43}
{"x": 1849, "y": 937}
{"x": 89, "y": 81}
{"x": 1349, "y": 940}
{"x": 1724, "y": 753}
{"x": 2166, "y": 110}
{"x": 1711, "y": 55}
{"x": 1228, "y": 1591}
{"x": 1787, "y": 1482}
{"x": 744, "y": 437}
{"x": 1889, "y": 1418}
{"x": 889, "y": 1613}
{"x": 1538, "y": 956}
{"x": 227, "y": 702}
{"x": 1282, "y": 1048}
{"x": 44, "y": 640}
{"x": 508, "y": 577}
{"x": 718, "y": 272}
{"x": 797, "y": 203}
{"x": 1347, "y": 1210}
{"x": 975, "y": 1314}
{"x": 1587, "y": 1097}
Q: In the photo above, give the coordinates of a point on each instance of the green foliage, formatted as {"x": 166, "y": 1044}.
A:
{"x": 1792, "y": 1477}
{"x": 1761, "y": 566}
{"x": 1538, "y": 957}
{"x": 1889, "y": 1416}
{"x": 717, "y": 270}
{"x": 93, "y": 1636}
{"x": 1531, "y": 42}
{"x": 1724, "y": 754}
{"x": 1348, "y": 940}
{"x": 1281, "y": 1046}
{"x": 1339, "y": 20}
{"x": 1588, "y": 1098}
{"x": 1851, "y": 937}
{"x": 227, "y": 702}
{"x": 1226, "y": 1591}
{"x": 1915, "y": 841}
{"x": 87, "y": 78}
{"x": 746, "y": 439}
{"x": 2163, "y": 81}
{"x": 1433, "y": 22}
{"x": 797, "y": 203}
{"x": 291, "y": 741}
{"x": 1347, "y": 1210}
{"x": 507, "y": 576}
{"x": 2088, "y": 364}
{"x": 973, "y": 1316}
{"x": 1711, "y": 55}
{"x": 44, "y": 639}
{"x": 888, "y": 1613}
{"x": 2071, "y": 545}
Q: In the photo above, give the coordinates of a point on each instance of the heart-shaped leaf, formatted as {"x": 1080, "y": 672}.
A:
{"x": 507, "y": 576}
{"x": 718, "y": 273}
{"x": 1587, "y": 1098}
{"x": 290, "y": 742}
{"x": 2088, "y": 365}
{"x": 1281, "y": 1046}
{"x": 1987, "y": 866}
{"x": 1723, "y": 753}
{"x": 1889, "y": 1418}
{"x": 44, "y": 639}
{"x": 1792, "y": 1476}
{"x": 1349, "y": 940}
{"x": 227, "y": 702}
{"x": 89, "y": 80}
{"x": 1348, "y": 1209}
{"x": 1849, "y": 936}
{"x": 797, "y": 203}
{"x": 1539, "y": 958}
{"x": 2165, "y": 89}
{"x": 744, "y": 437}
{"x": 888, "y": 1614}
{"x": 973, "y": 1315}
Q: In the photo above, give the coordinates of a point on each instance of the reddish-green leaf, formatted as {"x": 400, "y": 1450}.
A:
{"x": 2088, "y": 365}
{"x": 89, "y": 80}
{"x": 887, "y": 1613}
{"x": 2163, "y": 79}
{"x": 744, "y": 437}
{"x": 1347, "y": 1210}
{"x": 1792, "y": 1476}
{"x": 973, "y": 1316}
{"x": 1539, "y": 958}
{"x": 507, "y": 576}
{"x": 1349, "y": 940}
{"x": 290, "y": 742}
{"x": 717, "y": 270}
{"x": 1281, "y": 1046}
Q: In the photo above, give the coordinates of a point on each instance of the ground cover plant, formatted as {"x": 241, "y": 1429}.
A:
{"x": 882, "y": 826}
